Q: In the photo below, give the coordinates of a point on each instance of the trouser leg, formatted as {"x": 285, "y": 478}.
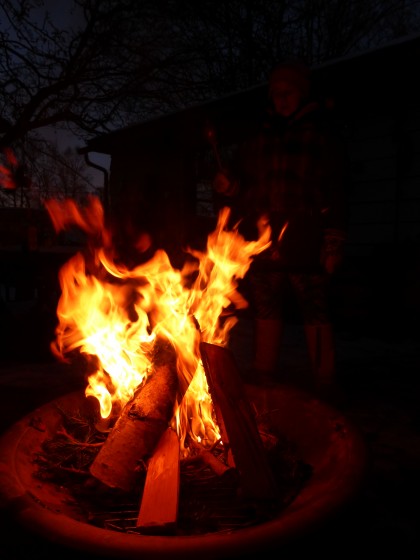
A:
{"x": 267, "y": 343}
{"x": 321, "y": 350}
{"x": 311, "y": 292}
{"x": 268, "y": 289}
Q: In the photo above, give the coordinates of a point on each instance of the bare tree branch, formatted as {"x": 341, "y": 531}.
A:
{"x": 103, "y": 64}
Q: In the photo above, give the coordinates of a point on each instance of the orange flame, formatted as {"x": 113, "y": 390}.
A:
{"x": 7, "y": 180}
{"x": 116, "y": 314}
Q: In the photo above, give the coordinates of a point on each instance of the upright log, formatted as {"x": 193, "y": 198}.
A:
{"x": 238, "y": 425}
{"x": 139, "y": 427}
{"x": 159, "y": 503}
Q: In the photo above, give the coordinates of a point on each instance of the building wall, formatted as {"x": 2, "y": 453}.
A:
{"x": 384, "y": 195}
{"x": 152, "y": 190}
{"x": 377, "y": 104}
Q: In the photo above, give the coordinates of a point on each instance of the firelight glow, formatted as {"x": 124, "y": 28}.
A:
{"x": 115, "y": 314}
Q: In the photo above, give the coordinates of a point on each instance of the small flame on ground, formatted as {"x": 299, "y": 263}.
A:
{"x": 115, "y": 314}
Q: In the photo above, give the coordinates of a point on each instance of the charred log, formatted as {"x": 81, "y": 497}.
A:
{"x": 139, "y": 427}
{"x": 237, "y": 423}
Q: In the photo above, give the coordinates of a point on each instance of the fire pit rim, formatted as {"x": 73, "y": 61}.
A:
{"x": 308, "y": 510}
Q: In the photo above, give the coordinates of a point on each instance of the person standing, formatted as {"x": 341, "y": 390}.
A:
{"x": 291, "y": 172}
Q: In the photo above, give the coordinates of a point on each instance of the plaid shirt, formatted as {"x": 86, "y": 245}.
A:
{"x": 293, "y": 171}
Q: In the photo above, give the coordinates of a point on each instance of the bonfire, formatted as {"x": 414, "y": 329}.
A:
{"x": 171, "y": 432}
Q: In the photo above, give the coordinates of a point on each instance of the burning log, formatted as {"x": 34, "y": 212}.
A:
{"x": 159, "y": 503}
{"x": 139, "y": 426}
{"x": 207, "y": 457}
{"x": 214, "y": 463}
{"x": 237, "y": 423}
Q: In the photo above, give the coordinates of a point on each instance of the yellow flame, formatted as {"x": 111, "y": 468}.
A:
{"x": 116, "y": 314}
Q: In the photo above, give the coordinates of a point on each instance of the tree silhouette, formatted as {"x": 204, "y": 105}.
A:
{"x": 90, "y": 66}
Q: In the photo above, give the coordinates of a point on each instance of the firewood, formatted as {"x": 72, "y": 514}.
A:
{"x": 207, "y": 457}
{"x": 215, "y": 464}
{"x": 139, "y": 427}
{"x": 159, "y": 503}
{"x": 237, "y": 423}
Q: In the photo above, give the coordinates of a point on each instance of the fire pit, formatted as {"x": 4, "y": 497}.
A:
{"x": 324, "y": 439}
{"x": 167, "y": 394}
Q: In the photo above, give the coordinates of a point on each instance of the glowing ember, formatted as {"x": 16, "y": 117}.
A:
{"x": 115, "y": 314}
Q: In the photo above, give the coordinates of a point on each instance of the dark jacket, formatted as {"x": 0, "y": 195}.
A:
{"x": 293, "y": 170}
